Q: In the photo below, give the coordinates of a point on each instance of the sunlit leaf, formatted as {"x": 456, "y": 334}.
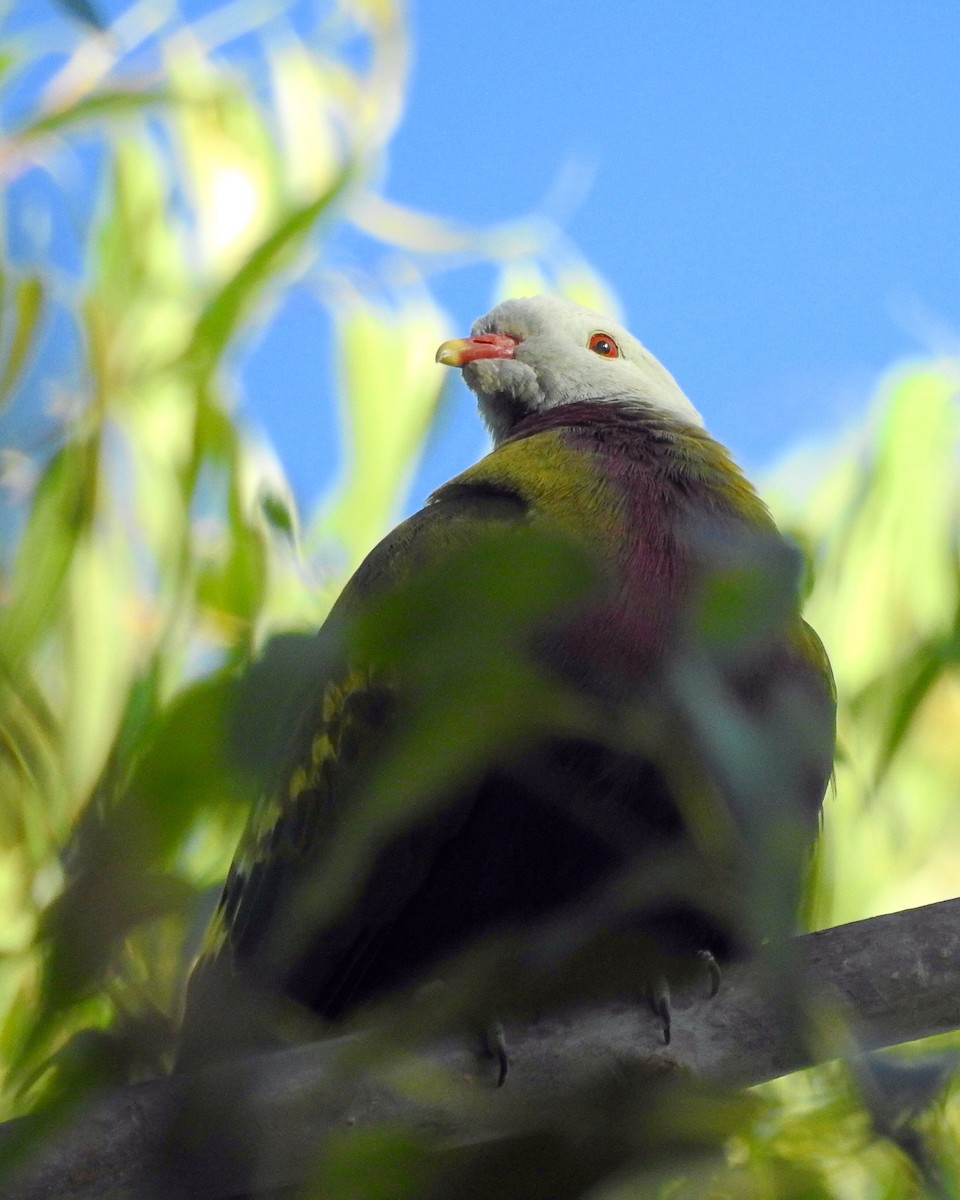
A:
{"x": 140, "y": 298}
{"x": 392, "y": 386}
{"x": 236, "y": 300}
{"x": 910, "y": 685}
{"x": 313, "y": 152}
{"x": 63, "y": 507}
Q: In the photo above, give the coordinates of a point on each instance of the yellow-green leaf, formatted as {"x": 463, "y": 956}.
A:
{"x": 109, "y": 103}
{"x": 234, "y": 302}
{"x": 28, "y": 304}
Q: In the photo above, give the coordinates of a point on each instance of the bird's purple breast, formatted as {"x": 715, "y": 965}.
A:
{"x": 664, "y": 486}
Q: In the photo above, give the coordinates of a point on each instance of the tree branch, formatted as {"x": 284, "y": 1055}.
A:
{"x": 895, "y": 978}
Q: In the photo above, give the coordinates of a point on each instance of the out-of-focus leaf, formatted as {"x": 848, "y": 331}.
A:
{"x": 523, "y": 278}
{"x": 889, "y": 575}
{"x": 910, "y": 684}
{"x": 235, "y": 301}
{"x": 101, "y": 647}
{"x": 880, "y": 521}
{"x": 99, "y": 106}
{"x": 898, "y": 1088}
{"x": 183, "y": 767}
{"x": 140, "y": 300}
{"x": 279, "y": 514}
{"x": 373, "y": 1164}
{"x": 470, "y": 685}
{"x": 28, "y": 302}
{"x": 897, "y": 1092}
{"x": 63, "y": 507}
{"x": 7, "y": 60}
{"x": 391, "y": 389}
{"x": 100, "y": 1058}
{"x": 83, "y": 11}
{"x": 748, "y": 587}
{"x": 83, "y": 930}
{"x": 119, "y": 875}
{"x": 634, "y": 1128}
{"x": 574, "y": 281}
{"x": 233, "y": 171}
{"x": 270, "y": 702}
{"x": 580, "y": 283}
{"x": 231, "y": 592}
{"x": 313, "y": 150}
{"x": 30, "y": 766}
{"x": 264, "y": 497}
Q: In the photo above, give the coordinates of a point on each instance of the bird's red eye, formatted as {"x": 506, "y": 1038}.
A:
{"x": 604, "y": 345}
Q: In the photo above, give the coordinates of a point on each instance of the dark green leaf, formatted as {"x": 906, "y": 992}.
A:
{"x": 279, "y": 515}
{"x": 183, "y": 768}
{"x": 271, "y": 701}
{"x": 373, "y": 1164}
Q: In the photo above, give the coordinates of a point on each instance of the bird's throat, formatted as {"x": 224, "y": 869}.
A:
{"x": 503, "y": 412}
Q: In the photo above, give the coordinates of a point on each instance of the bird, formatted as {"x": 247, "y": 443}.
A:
{"x": 595, "y": 443}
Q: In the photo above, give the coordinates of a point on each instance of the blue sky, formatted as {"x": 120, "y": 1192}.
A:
{"x": 774, "y": 193}
{"x": 776, "y": 190}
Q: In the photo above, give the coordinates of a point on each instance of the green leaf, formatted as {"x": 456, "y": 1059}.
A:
{"x": 279, "y": 515}
{"x": 83, "y": 929}
{"x": 373, "y": 1164}
{"x": 910, "y": 681}
{"x": 123, "y": 849}
{"x": 28, "y": 303}
{"x": 233, "y": 304}
{"x": 458, "y": 634}
{"x": 63, "y": 507}
{"x": 392, "y": 387}
{"x": 235, "y": 589}
{"x": 97, "y": 107}
{"x": 182, "y": 767}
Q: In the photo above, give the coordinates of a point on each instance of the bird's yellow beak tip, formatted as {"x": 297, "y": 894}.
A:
{"x": 450, "y": 354}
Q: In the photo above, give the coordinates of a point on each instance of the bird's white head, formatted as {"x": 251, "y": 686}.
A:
{"x": 535, "y": 353}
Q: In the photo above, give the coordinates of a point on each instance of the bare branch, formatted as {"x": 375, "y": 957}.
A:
{"x": 895, "y": 978}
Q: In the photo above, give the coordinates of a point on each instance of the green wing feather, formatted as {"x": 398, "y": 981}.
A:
{"x": 344, "y": 722}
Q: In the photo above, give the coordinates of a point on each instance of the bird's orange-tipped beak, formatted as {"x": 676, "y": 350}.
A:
{"x": 460, "y": 351}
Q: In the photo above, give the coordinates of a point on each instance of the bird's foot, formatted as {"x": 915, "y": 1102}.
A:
{"x": 493, "y": 1044}
{"x": 713, "y": 970}
{"x": 658, "y": 995}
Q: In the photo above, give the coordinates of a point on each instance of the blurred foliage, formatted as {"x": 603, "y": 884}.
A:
{"x": 150, "y": 545}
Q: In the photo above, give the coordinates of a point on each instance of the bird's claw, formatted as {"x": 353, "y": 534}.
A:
{"x": 659, "y": 992}
{"x": 713, "y": 970}
{"x": 659, "y": 997}
{"x": 494, "y": 1045}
